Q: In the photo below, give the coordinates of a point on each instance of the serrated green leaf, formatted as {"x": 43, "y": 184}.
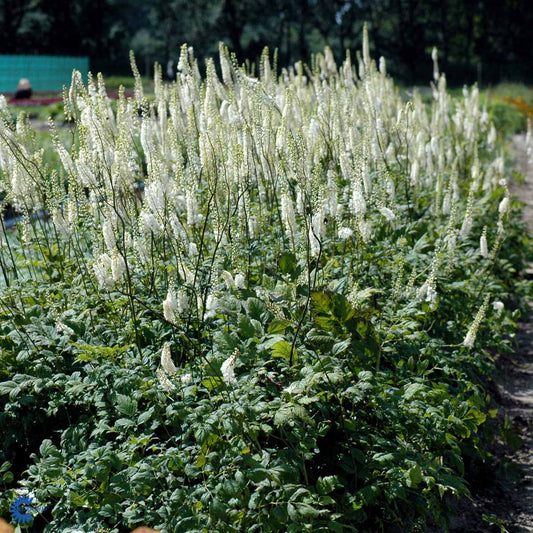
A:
{"x": 212, "y": 382}
{"x": 283, "y": 349}
{"x": 383, "y": 457}
{"x": 8, "y": 387}
{"x": 246, "y": 328}
{"x": 47, "y": 448}
{"x": 278, "y": 325}
{"x": 124, "y": 423}
{"x": 287, "y": 263}
{"x": 321, "y": 302}
{"x": 414, "y": 390}
{"x": 255, "y": 308}
{"x": 126, "y": 405}
{"x": 306, "y": 510}
{"x": 340, "y": 347}
{"x": 327, "y": 484}
{"x": 414, "y": 476}
{"x": 145, "y": 416}
{"x": 287, "y": 414}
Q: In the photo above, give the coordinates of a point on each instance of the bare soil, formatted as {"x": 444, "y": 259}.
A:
{"x": 513, "y": 391}
{"x": 514, "y": 377}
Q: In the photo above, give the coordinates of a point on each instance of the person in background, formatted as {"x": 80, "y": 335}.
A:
{"x": 171, "y": 74}
{"x": 24, "y": 90}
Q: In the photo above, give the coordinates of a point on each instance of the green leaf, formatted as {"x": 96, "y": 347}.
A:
{"x": 124, "y": 423}
{"x": 327, "y": 323}
{"x": 145, "y": 416}
{"x": 90, "y": 353}
{"x": 330, "y": 309}
{"x": 247, "y": 328}
{"x": 255, "y": 308}
{"x": 453, "y": 483}
{"x": 383, "y": 457}
{"x": 227, "y": 341}
{"x": 287, "y": 263}
{"x": 340, "y": 347}
{"x": 8, "y": 387}
{"x": 413, "y": 390}
{"x": 327, "y": 484}
{"x": 287, "y": 414}
{"x": 343, "y": 309}
{"x": 414, "y": 476}
{"x": 278, "y": 325}
{"x": 212, "y": 382}
{"x": 106, "y": 510}
{"x": 269, "y": 342}
{"x": 212, "y": 438}
{"x": 47, "y": 448}
{"x": 304, "y": 509}
{"x": 126, "y": 405}
{"x": 77, "y": 499}
{"x": 368, "y": 494}
{"x": 283, "y": 349}
{"x": 366, "y": 294}
{"x": 476, "y": 415}
{"x": 321, "y": 302}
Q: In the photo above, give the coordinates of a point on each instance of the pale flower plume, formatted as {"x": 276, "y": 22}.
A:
{"x": 211, "y": 306}
{"x": 164, "y": 381}
{"x": 470, "y": 337}
{"x": 170, "y": 306}
{"x": 504, "y": 206}
{"x": 228, "y": 368}
{"x": 498, "y": 307}
{"x": 63, "y": 328}
{"x": 483, "y": 247}
{"x": 240, "y": 281}
{"x": 166, "y": 360}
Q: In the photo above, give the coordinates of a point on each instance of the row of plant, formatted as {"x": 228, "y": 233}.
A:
{"x": 254, "y": 303}
{"x": 509, "y": 105}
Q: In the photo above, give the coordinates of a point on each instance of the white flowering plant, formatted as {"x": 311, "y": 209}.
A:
{"x": 254, "y": 303}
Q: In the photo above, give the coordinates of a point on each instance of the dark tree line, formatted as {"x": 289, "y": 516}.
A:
{"x": 484, "y": 40}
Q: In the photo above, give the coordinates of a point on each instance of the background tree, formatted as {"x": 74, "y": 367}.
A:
{"x": 484, "y": 40}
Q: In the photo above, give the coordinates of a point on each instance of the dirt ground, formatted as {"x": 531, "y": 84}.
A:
{"x": 514, "y": 376}
{"x": 514, "y": 381}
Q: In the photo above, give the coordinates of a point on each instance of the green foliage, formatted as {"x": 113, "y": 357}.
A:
{"x": 334, "y": 447}
{"x": 113, "y": 83}
{"x": 507, "y": 118}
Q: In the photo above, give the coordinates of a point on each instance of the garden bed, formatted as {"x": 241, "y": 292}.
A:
{"x": 289, "y": 327}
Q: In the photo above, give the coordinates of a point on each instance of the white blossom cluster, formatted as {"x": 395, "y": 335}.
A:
{"x": 170, "y": 196}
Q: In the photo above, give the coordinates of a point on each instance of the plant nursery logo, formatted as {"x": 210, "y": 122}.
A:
{"x": 24, "y": 508}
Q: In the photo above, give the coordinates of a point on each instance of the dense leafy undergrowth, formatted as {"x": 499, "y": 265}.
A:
{"x": 253, "y": 304}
